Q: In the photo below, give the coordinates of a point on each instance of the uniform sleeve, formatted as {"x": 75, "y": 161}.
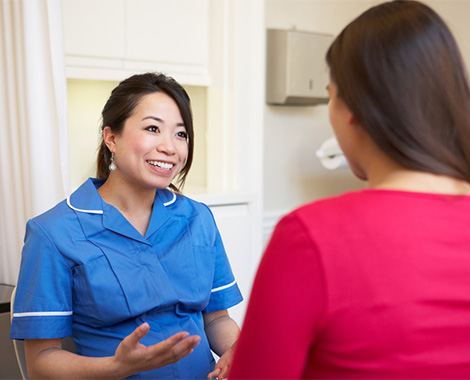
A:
{"x": 43, "y": 301}
{"x": 285, "y": 308}
{"x": 225, "y": 292}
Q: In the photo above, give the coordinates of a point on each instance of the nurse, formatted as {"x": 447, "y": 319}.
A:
{"x": 130, "y": 268}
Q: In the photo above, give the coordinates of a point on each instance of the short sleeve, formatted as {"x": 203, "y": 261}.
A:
{"x": 43, "y": 301}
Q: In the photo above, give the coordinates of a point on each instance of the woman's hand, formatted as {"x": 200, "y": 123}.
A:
{"x": 46, "y": 359}
{"x": 132, "y": 356}
{"x": 222, "y": 367}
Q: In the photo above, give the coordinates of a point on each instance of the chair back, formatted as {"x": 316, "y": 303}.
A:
{"x": 18, "y": 345}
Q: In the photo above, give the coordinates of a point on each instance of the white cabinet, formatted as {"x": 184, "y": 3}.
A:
{"x": 113, "y": 39}
{"x": 236, "y": 219}
{"x": 173, "y": 32}
{"x": 94, "y": 29}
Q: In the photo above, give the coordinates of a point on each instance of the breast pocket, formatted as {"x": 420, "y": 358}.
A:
{"x": 97, "y": 294}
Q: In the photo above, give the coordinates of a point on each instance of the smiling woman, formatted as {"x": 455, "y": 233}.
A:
{"x": 85, "y": 99}
{"x": 135, "y": 116}
{"x": 155, "y": 136}
{"x": 133, "y": 270}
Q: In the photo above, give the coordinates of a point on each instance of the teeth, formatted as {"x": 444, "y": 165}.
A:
{"x": 161, "y": 165}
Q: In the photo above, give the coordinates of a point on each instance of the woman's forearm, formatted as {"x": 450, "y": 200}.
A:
{"x": 222, "y": 333}
{"x": 55, "y": 363}
{"x": 46, "y": 359}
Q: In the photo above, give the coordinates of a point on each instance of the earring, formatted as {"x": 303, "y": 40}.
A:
{"x": 112, "y": 165}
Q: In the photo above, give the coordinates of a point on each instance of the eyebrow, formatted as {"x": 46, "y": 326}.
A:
{"x": 160, "y": 120}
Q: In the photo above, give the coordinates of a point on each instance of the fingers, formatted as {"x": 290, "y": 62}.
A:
{"x": 218, "y": 373}
{"x": 175, "y": 339}
{"x": 215, "y": 373}
{"x": 133, "y": 338}
{"x": 223, "y": 374}
{"x": 132, "y": 354}
{"x": 175, "y": 347}
{"x": 185, "y": 346}
{"x": 137, "y": 334}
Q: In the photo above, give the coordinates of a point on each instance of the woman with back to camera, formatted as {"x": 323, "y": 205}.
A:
{"x": 125, "y": 266}
{"x": 375, "y": 284}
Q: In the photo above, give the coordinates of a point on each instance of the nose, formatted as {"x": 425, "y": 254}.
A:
{"x": 166, "y": 144}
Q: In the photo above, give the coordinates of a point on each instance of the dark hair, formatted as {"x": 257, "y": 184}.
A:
{"x": 122, "y": 103}
{"x": 399, "y": 70}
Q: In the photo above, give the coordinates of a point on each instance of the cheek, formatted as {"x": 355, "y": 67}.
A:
{"x": 331, "y": 114}
{"x": 183, "y": 152}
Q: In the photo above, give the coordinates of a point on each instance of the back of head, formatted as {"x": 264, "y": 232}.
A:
{"x": 399, "y": 70}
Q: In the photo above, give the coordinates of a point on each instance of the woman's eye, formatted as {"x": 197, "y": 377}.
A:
{"x": 153, "y": 128}
{"x": 183, "y": 135}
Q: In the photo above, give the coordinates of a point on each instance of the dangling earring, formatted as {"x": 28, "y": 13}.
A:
{"x": 112, "y": 165}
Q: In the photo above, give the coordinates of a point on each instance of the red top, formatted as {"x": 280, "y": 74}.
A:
{"x": 370, "y": 284}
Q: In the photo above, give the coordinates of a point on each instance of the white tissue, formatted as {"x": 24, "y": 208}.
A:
{"x": 331, "y": 155}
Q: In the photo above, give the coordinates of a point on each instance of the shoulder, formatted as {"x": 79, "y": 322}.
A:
{"x": 342, "y": 203}
{"x": 63, "y": 215}
{"x": 56, "y": 216}
{"x": 337, "y": 211}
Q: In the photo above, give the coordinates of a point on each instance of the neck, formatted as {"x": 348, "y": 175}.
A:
{"x": 386, "y": 174}
{"x": 126, "y": 197}
{"x": 135, "y": 204}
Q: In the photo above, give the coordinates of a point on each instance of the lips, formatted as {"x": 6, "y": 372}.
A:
{"x": 162, "y": 165}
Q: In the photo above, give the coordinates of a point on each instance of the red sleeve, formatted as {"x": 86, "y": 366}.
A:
{"x": 285, "y": 308}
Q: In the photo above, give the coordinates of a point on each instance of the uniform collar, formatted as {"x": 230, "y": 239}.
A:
{"x": 86, "y": 200}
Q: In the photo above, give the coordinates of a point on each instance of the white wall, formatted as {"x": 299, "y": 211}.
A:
{"x": 455, "y": 13}
{"x": 292, "y": 174}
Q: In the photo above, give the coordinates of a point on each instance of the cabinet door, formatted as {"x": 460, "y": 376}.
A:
{"x": 168, "y": 31}
{"x": 113, "y": 39}
{"x": 235, "y": 224}
{"x": 94, "y": 28}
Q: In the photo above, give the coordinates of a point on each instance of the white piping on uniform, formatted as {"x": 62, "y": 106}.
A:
{"x": 223, "y": 287}
{"x": 170, "y": 202}
{"x": 42, "y": 314}
{"x": 80, "y": 210}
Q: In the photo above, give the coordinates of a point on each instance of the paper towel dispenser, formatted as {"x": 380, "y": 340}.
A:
{"x": 296, "y": 72}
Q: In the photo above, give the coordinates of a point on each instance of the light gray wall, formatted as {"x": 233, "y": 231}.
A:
{"x": 292, "y": 173}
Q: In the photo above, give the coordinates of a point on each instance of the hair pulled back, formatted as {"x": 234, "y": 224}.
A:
{"x": 122, "y": 103}
{"x": 399, "y": 70}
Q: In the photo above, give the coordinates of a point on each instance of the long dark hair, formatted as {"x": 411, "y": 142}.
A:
{"x": 399, "y": 70}
{"x": 121, "y": 104}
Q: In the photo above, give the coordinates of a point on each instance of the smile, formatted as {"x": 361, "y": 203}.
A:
{"x": 161, "y": 165}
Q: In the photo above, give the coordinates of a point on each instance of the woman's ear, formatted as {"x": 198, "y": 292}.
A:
{"x": 351, "y": 119}
{"x": 109, "y": 138}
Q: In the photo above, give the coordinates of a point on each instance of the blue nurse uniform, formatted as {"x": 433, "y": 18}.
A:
{"x": 86, "y": 272}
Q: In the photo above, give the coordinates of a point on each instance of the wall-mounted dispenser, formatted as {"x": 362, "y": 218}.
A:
{"x": 296, "y": 72}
